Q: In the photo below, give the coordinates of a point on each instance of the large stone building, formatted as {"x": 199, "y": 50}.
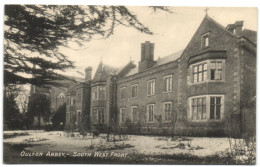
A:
{"x": 207, "y": 89}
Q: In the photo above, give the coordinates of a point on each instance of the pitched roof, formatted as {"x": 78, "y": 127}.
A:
{"x": 161, "y": 61}
{"x": 132, "y": 71}
{"x": 110, "y": 69}
{"x": 250, "y": 34}
{"x": 172, "y": 57}
{"x": 77, "y": 79}
{"x": 219, "y": 25}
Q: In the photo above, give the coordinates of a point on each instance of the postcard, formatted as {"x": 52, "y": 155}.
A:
{"x": 99, "y": 84}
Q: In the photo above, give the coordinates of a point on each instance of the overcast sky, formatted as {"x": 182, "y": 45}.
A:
{"x": 172, "y": 32}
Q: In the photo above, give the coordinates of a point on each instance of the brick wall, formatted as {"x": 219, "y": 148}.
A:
{"x": 143, "y": 100}
{"x": 219, "y": 40}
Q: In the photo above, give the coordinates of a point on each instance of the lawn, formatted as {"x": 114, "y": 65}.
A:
{"x": 62, "y": 147}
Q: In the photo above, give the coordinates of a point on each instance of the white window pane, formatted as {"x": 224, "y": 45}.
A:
{"x": 200, "y": 67}
{"x": 200, "y": 77}
{"x": 218, "y": 74}
{"x": 195, "y": 78}
{"x": 170, "y": 84}
{"x": 206, "y": 41}
{"x": 195, "y": 69}
{"x": 213, "y": 65}
{"x": 205, "y": 67}
{"x": 219, "y": 65}
{"x": 205, "y": 75}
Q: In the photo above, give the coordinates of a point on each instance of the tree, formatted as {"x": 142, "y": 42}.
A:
{"x": 34, "y": 33}
{"x": 39, "y": 105}
{"x": 59, "y": 116}
{"x": 12, "y": 116}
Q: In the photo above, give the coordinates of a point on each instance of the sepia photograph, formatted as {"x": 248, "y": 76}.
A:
{"x": 109, "y": 84}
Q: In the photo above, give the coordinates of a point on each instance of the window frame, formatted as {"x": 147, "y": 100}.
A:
{"x": 222, "y": 68}
{"x": 132, "y": 114}
{"x": 121, "y": 115}
{"x": 208, "y": 62}
{"x": 92, "y": 91}
{"x": 79, "y": 97}
{"x": 165, "y": 80}
{"x": 153, "y": 92}
{"x": 203, "y": 38}
{"x": 78, "y": 119}
{"x": 124, "y": 87}
{"x": 132, "y": 86}
{"x": 104, "y": 91}
{"x": 147, "y": 113}
{"x": 164, "y": 111}
{"x": 95, "y": 114}
{"x": 208, "y": 96}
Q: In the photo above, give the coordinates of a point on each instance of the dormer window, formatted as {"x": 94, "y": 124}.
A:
{"x": 205, "y": 40}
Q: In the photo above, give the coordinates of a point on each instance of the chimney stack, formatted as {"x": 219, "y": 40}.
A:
{"x": 147, "y": 56}
{"x": 88, "y": 73}
{"x": 238, "y": 27}
{"x": 235, "y": 28}
{"x": 147, "y": 51}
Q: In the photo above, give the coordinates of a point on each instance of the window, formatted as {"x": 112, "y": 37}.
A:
{"x": 150, "y": 87}
{"x": 215, "y": 105}
{"x": 209, "y": 70}
{"x": 67, "y": 118}
{"x": 68, "y": 101}
{"x": 99, "y": 93}
{"x": 150, "y": 112}
{"x": 123, "y": 93}
{"x": 101, "y": 115}
{"x": 122, "y": 115}
{"x": 78, "y": 117}
{"x": 167, "y": 83}
{"x": 95, "y": 115}
{"x": 199, "y": 108}
{"x": 102, "y": 93}
{"x": 200, "y": 73}
{"x": 72, "y": 101}
{"x": 134, "y": 90}
{"x": 167, "y": 111}
{"x": 205, "y": 40}
{"x": 216, "y": 70}
{"x": 207, "y": 107}
{"x": 98, "y": 115}
{"x": 134, "y": 114}
{"x": 95, "y": 93}
{"x": 79, "y": 97}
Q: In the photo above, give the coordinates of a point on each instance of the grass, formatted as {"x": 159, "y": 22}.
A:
{"x": 12, "y": 152}
{"x": 13, "y": 135}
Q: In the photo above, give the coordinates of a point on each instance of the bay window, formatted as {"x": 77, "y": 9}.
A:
{"x": 206, "y": 71}
{"x": 99, "y": 93}
{"x": 206, "y": 107}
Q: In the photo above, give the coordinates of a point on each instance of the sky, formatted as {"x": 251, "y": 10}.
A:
{"x": 172, "y": 32}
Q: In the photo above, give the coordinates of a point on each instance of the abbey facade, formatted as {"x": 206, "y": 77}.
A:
{"x": 207, "y": 89}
